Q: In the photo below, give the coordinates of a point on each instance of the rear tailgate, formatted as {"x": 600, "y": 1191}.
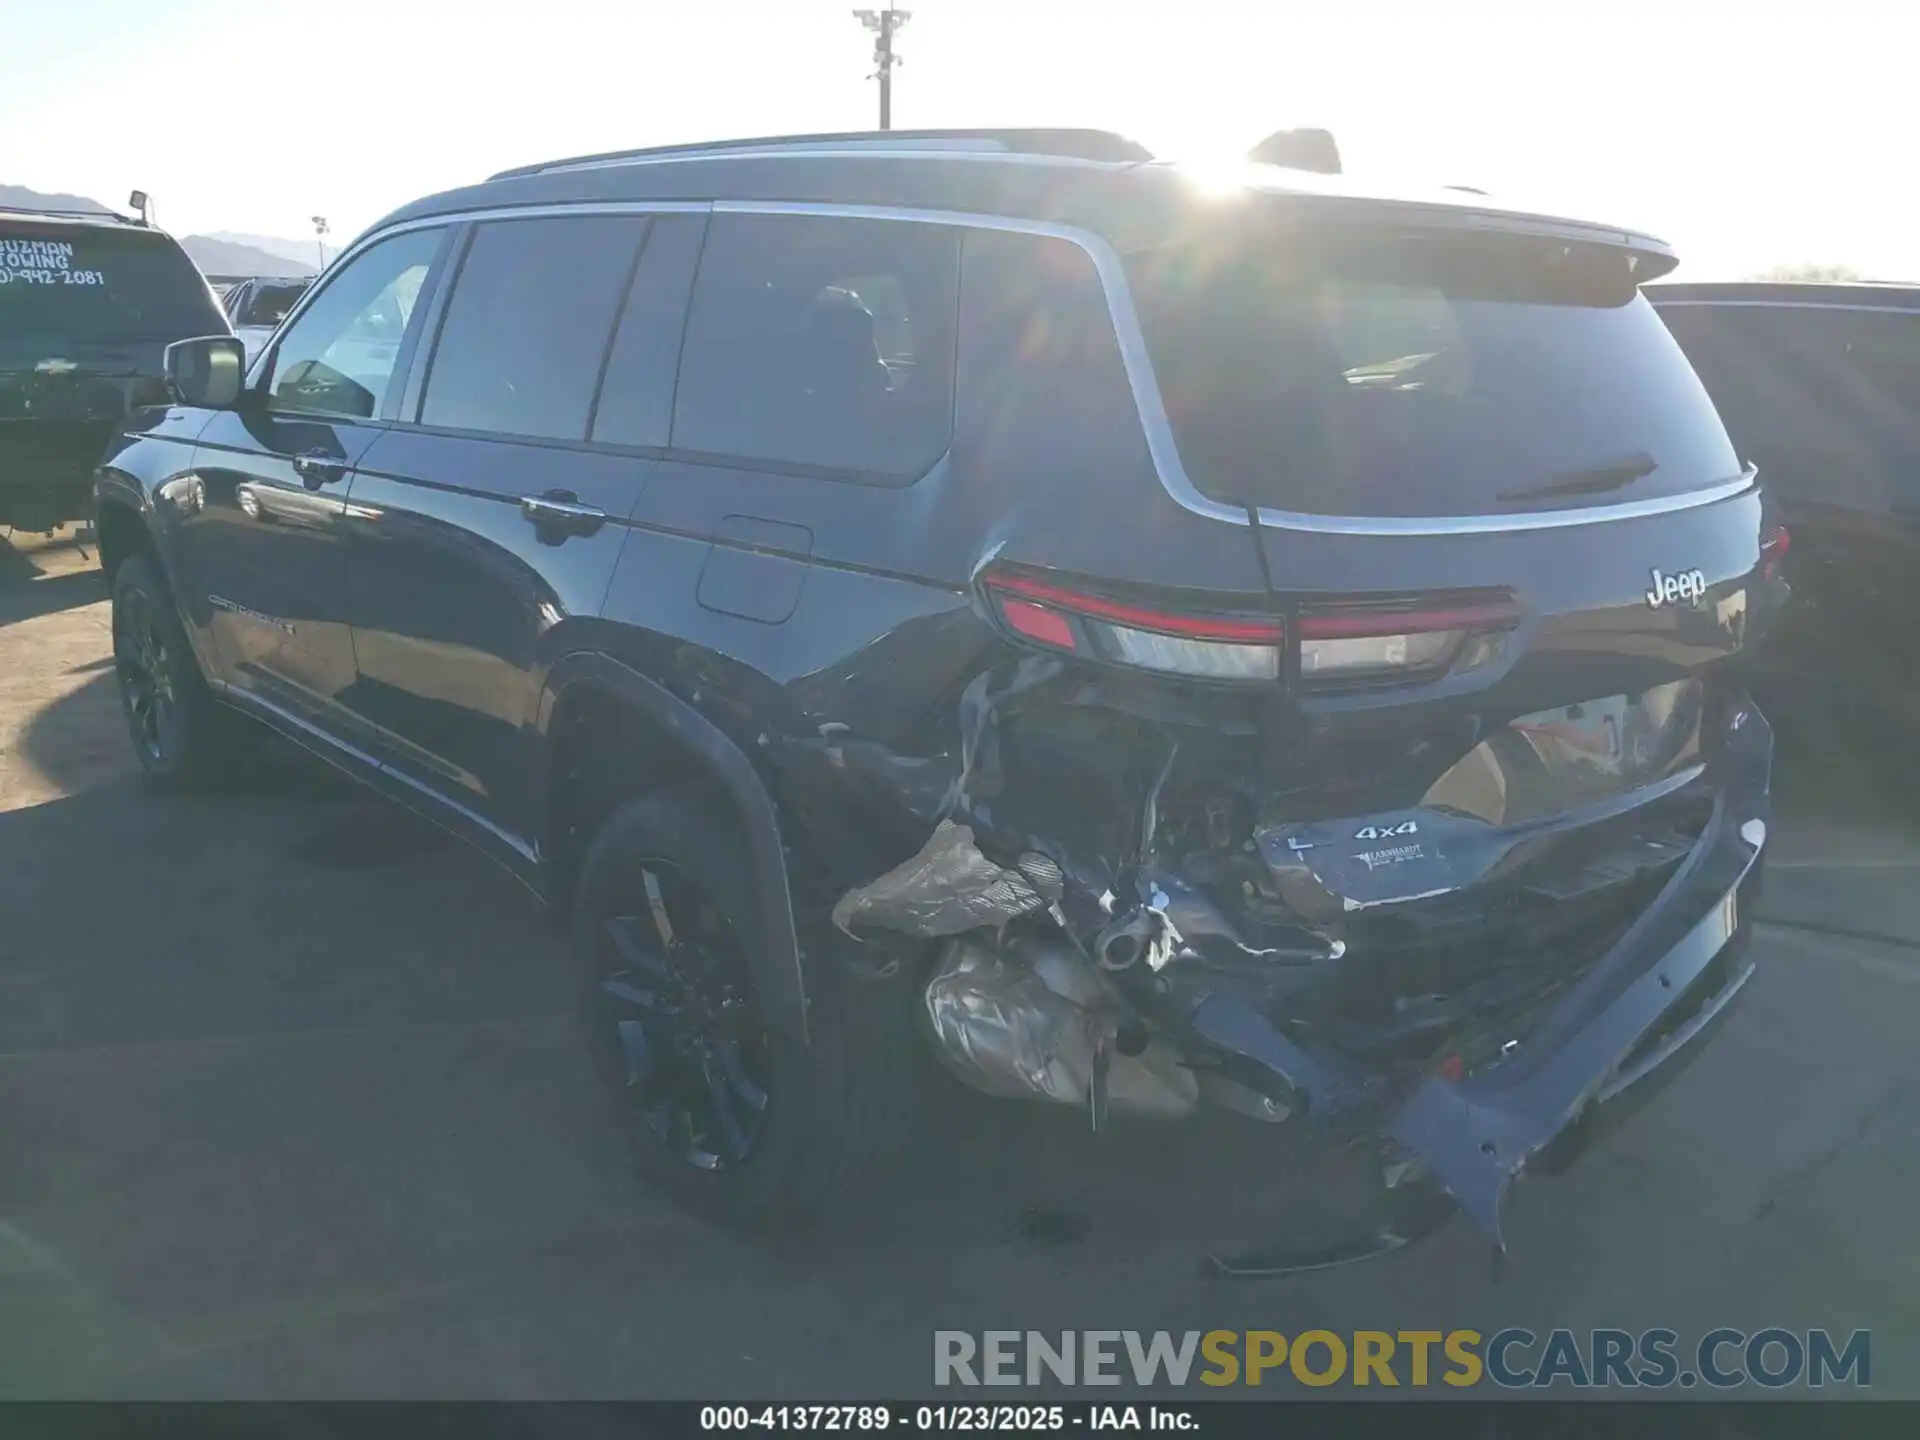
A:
{"x": 1488, "y": 480}
{"x": 1515, "y": 556}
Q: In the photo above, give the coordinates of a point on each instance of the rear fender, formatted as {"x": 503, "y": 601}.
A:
{"x": 708, "y": 746}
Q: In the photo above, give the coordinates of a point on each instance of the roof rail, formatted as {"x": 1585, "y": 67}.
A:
{"x": 1100, "y": 145}
{"x": 37, "y": 212}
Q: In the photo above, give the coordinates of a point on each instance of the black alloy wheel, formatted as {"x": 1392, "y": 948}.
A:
{"x": 149, "y": 676}
{"x": 679, "y": 1019}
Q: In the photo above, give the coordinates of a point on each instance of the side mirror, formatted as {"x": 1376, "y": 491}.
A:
{"x": 209, "y": 372}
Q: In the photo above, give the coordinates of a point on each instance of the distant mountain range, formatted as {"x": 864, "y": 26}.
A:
{"x": 217, "y": 256}
{"x": 300, "y": 252}
{"x": 18, "y": 197}
{"x": 224, "y": 252}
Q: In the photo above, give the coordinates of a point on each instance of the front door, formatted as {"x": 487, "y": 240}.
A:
{"x": 265, "y": 542}
{"x": 486, "y": 526}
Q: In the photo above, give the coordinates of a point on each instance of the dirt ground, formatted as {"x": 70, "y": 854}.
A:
{"x": 289, "y": 1107}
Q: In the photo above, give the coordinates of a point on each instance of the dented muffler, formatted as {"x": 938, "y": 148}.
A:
{"x": 1035, "y": 1021}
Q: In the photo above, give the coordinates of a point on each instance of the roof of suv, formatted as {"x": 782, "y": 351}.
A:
{"x": 1808, "y": 293}
{"x": 74, "y": 217}
{"x": 1094, "y": 179}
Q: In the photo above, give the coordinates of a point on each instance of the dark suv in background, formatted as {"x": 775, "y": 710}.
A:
{"x": 257, "y": 306}
{"x": 88, "y": 304}
{"x": 1820, "y": 385}
{"x": 986, "y": 593}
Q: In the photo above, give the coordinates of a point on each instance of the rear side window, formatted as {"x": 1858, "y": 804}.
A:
{"x": 1379, "y": 371}
{"x": 822, "y": 343}
{"x": 1825, "y": 401}
{"x": 528, "y": 323}
{"x": 88, "y": 282}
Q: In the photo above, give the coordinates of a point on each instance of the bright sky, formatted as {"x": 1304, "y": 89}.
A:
{"x": 1747, "y": 134}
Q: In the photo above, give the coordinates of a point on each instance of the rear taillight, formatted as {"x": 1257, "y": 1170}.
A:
{"x": 1386, "y": 644}
{"x": 1175, "y": 642}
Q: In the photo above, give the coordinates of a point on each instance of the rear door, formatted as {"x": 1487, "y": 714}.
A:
{"x": 264, "y": 551}
{"x": 815, "y": 389}
{"x": 487, "y": 524}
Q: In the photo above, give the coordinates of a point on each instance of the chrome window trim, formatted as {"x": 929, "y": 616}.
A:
{"x": 1135, "y": 359}
{"x": 1660, "y": 304}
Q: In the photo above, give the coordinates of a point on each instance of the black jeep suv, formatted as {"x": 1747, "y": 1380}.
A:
{"x": 88, "y": 304}
{"x": 1151, "y": 641}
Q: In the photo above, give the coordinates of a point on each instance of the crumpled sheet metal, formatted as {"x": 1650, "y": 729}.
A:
{"x": 948, "y": 888}
{"x": 1027, "y": 1028}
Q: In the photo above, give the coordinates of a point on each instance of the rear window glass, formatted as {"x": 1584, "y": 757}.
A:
{"x": 1342, "y": 370}
{"x": 88, "y": 282}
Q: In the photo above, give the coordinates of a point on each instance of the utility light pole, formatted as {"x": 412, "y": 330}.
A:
{"x": 884, "y": 24}
{"x": 320, "y": 229}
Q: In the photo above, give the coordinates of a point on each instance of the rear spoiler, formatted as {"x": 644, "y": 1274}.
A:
{"x": 1312, "y": 150}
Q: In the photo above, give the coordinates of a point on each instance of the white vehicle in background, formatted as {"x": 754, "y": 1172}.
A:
{"x": 256, "y": 308}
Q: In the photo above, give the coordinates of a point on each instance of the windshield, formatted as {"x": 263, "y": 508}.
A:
{"x": 85, "y": 282}
{"x": 1397, "y": 372}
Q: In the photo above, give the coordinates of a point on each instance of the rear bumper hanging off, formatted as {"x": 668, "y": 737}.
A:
{"x": 1625, "y": 1026}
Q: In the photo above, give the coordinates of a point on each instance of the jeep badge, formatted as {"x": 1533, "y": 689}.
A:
{"x": 1687, "y": 585}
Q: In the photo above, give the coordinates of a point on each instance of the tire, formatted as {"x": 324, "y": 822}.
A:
{"x": 182, "y": 737}
{"x": 838, "y": 1105}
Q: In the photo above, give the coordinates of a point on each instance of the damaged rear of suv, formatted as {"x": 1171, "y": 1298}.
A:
{"x": 1395, "y": 778}
{"x": 1435, "y": 809}
{"x": 1153, "y": 643}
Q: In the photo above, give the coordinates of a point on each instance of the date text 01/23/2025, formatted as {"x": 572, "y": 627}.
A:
{"x": 871, "y": 1418}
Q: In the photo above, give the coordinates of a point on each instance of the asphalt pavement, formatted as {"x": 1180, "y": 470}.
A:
{"x": 290, "y": 1108}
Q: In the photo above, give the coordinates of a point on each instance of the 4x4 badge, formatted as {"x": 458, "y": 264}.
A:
{"x": 1687, "y": 585}
{"x": 1384, "y": 832}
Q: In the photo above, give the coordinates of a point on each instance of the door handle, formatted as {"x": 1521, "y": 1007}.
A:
{"x": 560, "y": 513}
{"x": 316, "y": 468}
